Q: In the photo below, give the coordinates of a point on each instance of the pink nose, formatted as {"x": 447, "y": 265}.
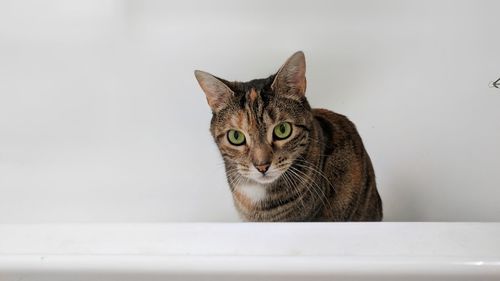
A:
{"x": 262, "y": 168}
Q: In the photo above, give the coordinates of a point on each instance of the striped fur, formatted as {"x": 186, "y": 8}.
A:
{"x": 320, "y": 173}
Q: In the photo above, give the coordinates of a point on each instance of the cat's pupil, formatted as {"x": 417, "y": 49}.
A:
{"x": 282, "y": 128}
{"x": 236, "y": 135}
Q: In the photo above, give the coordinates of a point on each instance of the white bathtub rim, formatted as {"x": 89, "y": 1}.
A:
{"x": 475, "y": 241}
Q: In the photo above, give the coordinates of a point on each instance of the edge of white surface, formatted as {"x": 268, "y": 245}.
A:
{"x": 253, "y": 247}
{"x": 255, "y": 239}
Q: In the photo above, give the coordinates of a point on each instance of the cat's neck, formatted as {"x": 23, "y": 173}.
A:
{"x": 250, "y": 192}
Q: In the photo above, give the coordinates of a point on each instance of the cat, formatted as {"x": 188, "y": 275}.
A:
{"x": 285, "y": 161}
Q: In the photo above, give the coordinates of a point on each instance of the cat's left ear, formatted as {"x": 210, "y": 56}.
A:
{"x": 218, "y": 94}
{"x": 291, "y": 78}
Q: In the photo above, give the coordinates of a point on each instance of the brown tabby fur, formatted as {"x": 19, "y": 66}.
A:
{"x": 323, "y": 172}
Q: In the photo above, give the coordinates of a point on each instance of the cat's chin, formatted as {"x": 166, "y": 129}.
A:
{"x": 265, "y": 179}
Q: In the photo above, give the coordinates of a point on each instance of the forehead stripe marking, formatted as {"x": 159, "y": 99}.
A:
{"x": 252, "y": 95}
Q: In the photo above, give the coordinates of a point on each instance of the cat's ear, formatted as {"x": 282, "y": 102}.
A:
{"x": 291, "y": 78}
{"x": 217, "y": 93}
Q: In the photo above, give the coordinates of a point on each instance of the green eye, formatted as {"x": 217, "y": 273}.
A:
{"x": 283, "y": 130}
{"x": 236, "y": 137}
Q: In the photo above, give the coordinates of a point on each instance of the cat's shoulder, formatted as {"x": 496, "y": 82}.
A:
{"x": 331, "y": 117}
{"x": 336, "y": 124}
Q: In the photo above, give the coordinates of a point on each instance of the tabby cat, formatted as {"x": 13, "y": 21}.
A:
{"x": 285, "y": 161}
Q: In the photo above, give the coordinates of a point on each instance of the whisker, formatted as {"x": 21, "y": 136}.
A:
{"x": 290, "y": 185}
{"x": 311, "y": 167}
{"x": 314, "y": 184}
{"x": 323, "y": 196}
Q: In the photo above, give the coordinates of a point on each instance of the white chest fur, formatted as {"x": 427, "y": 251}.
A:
{"x": 252, "y": 191}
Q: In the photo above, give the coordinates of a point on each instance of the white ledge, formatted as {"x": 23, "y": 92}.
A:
{"x": 191, "y": 250}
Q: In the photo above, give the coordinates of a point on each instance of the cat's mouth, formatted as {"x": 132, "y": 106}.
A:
{"x": 267, "y": 178}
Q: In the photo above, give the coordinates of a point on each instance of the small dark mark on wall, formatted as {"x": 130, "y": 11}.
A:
{"x": 495, "y": 84}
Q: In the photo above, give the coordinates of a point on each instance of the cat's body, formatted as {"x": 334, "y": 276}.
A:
{"x": 343, "y": 189}
{"x": 285, "y": 161}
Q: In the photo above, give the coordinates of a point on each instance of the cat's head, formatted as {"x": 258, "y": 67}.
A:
{"x": 262, "y": 126}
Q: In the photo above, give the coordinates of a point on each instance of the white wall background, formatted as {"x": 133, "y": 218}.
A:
{"x": 102, "y": 120}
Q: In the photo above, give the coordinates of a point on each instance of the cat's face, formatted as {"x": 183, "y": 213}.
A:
{"x": 261, "y": 127}
{"x": 261, "y": 134}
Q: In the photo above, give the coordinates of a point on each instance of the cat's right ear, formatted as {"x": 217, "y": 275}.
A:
{"x": 291, "y": 78}
{"x": 217, "y": 93}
